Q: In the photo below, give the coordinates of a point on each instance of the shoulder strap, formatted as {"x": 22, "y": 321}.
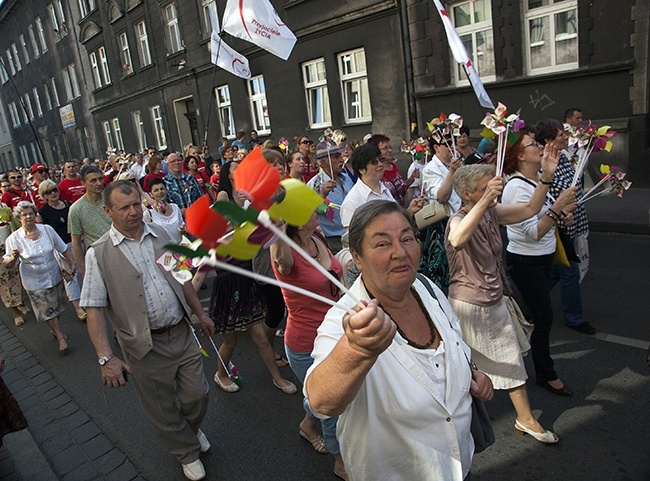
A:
{"x": 528, "y": 181}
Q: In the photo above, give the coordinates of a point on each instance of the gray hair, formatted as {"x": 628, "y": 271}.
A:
{"x": 124, "y": 186}
{"x": 46, "y": 185}
{"x": 467, "y": 176}
{"x": 22, "y": 206}
{"x": 367, "y": 213}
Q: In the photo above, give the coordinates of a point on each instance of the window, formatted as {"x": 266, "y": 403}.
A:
{"x": 173, "y": 29}
{"x": 41, "y": 34}
{"x": 108, "y": 136}
{"x": 354, "y": 86}
{"x": 32, "y": 39}
{"x": 48, "y": 99}
{"x": 56, "y": 28}
{"x": 259, "y": 109}
{"x": 159, "y": 127}
{"x": 86, "y": 6}
{"x": 13, "y": 113}
{"x": 117, "y": 131}
{"x": 138, "y": 123}
{"x": 3, "y": 72}
{"x": 24, "y": 155}
{"x": 318, "y": 101}
{"x": 473, "y": 22}
{"x": 210, "y": 17}
{"x": 10, "y": 61}
{"x": 72, "y": 71}
{"x": 35, "y": 155}
{"x": 23, "y": 45}
{"x": 103, "y": 61}
{"x": 551, "y": 35}
{"x": 94, "y": 67}
{"x": 37, "y": 102}
{"x": 55, "y": 93}
{"x": 28, "y": 106}
{"x": 14, "y": 50}
{"x": 226, "y": 118}
{"x": 126, "y": 55}
{"x": 67, "y": 84}
{"x": 143, "y": 44}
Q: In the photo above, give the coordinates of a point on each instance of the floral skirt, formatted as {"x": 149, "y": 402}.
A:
{"x": 236, "y": 304}
{"x": 48, "y": 303}
{"x": 11, "y": 290}
{"x": 433, "y": 263}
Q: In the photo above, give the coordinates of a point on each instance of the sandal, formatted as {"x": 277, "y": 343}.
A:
{"x": 280, "y": 360}
{"x": 318, "y": 443}
{"x": 63, "y": 345}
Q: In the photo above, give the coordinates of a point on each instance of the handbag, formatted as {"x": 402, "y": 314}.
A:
{"x": 481, "y": 426}
{"x": 431, "y": 213}
{"x": 523, "y": 328}
{"x": 64, "y": 265}
{"x": 564, "y": 250}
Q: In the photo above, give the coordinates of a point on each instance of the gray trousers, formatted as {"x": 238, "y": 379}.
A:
{"x": 171, "y": 386}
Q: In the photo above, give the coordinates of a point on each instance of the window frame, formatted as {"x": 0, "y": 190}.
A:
{"x": 159, "y": 126}
{"x": 108, "y": 134}
{"x": 173, "y": 28}
{"x": 34, "y": 42}
{"x": 458, "y": 76}
{"x": 353, "y": 77}
{"x": 140, "y": 132}
{"x": 94, "y": 69}
{"x": 57, "y": 101}
{"x": 103, "y": 62}
{"x": 258, "y": 103}
{"x": 37, "y": 101}
{"x": 317, "y": 85}
{"x": 225, "y": 106}
{"x": 144, "y": 49}
{"x": 549, "y": 11}
{"x": 125, "y": 54}
{"x": 10, "y": 61}
{"x": 210, "y": 17}
{"x": 117, "y": 132}
{"x": 41, "y": 34}
{"x": 23, "y": 44}
{"x": 48, "y": 98}
{"x": 27, "y": 101}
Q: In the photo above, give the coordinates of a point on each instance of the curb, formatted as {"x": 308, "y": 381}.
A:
{"x": 619, "y": 228}
{"x": 62, "y": 441}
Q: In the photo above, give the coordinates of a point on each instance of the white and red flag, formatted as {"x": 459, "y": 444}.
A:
{"x": 222, "y": 55}
{"x": 460, "y": 54}
{"x": 257, "y": 22}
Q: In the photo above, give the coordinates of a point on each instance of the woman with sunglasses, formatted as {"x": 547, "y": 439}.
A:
{"x": 305, "y": 316}
{"x": 308, "y": 149}
{"x": 55, "y": 214}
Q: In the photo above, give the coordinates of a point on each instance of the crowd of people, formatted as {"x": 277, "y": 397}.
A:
{"x": 94, "y": 237}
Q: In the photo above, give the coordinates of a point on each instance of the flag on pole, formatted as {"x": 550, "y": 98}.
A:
{"x": 257, "y": 22}
{"x": 461, "y": 56}
{"x": 228, "y": 59}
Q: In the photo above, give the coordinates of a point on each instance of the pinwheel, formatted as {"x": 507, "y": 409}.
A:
{"x": 586, "y": 140}
{"x": 505, "y": 128}
{"x": 616, "y": 179}
{"x": 446, "y": 126}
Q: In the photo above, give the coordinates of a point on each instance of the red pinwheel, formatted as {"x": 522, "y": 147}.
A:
{"x": 257, "y": 178}
{"x": 203, "y": 222}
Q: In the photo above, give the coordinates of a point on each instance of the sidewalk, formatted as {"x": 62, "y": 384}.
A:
{"x": 627, "y": 215}
{"x": 62, "y": 442}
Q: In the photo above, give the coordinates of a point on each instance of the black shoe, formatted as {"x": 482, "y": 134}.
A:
{"x": 563, "y": 391}
{"x": 584, "y": 328}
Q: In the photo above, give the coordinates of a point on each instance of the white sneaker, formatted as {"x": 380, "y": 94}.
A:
{"x": 194, "y": 471}
{"x": 203, "y": 441}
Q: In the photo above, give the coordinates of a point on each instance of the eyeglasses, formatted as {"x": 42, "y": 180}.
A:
{"x": 376, "y": 161}
{"x": 51, "y": 191}
{"x": 307, "y": 142}
{"x": 534, "y": 144}
{"x": 13, "y": 177}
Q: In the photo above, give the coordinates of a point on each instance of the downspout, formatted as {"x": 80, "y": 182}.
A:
{"x": 408, "y": 63}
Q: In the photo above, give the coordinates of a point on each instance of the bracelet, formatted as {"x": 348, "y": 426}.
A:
{"x": 546, "y": 183}
{"x": 554, "y": 213}
{"x": 548, "y": 213}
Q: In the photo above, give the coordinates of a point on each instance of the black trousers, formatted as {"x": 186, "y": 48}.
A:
{"x": 531, "y": 274}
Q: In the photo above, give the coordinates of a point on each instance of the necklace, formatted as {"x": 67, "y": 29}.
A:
{"x": 317, "y": 256}
{"x": 432, "y": 326}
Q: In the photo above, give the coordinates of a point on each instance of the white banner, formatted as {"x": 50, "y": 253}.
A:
{"x": 257, "y": 22}
{"x": 228, "y": 59}
{"x": 461, "y": 56}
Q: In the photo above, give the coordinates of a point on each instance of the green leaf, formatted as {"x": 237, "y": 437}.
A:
{"x": 186, "y": 251}
{"x": 205, "y": 353}
{"x": 235, "y": 214}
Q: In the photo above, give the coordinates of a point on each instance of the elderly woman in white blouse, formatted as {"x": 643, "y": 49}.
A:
{"x": 33, "y": 246}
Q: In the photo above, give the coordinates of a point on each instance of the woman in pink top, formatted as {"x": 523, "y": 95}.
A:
{"x": 305, "y": 316}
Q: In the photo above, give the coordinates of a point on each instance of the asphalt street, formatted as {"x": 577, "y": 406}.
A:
{"x": 604, "y": 429}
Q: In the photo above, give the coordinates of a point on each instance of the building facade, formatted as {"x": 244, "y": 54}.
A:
{"x": 383, "y": 66}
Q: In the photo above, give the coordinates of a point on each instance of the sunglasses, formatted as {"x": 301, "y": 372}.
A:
{"x": 51, "y": 191}
{"x": 376, "y": 161}
{"x": 12, "y": 177}
{"x": 308, "y": 142}
{"x": 41, "y": 172}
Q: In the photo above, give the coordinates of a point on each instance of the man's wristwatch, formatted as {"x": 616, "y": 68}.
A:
{"x": 104, "y": 359}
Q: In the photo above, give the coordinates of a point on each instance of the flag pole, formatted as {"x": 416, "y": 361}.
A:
{"x": 214, "y": 76}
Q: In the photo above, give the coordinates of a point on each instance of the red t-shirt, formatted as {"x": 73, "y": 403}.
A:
{"x": 71, "y": 190}
{"x": 306, "y": 314}
{"x": 149, "y": 177}
{"x": 12, "y": 197}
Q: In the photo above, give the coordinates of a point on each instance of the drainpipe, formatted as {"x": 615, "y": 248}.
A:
{"x": 408, "y": 63}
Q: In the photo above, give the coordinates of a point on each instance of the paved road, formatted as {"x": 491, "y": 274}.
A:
{"x": 604, "y": 429}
